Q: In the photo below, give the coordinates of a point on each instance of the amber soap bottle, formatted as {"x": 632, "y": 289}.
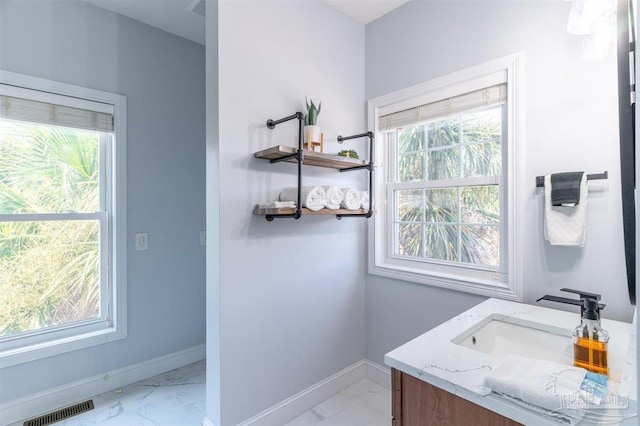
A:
{"x": 590, "y": 341}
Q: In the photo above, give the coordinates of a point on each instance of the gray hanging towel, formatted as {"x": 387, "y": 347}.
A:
{"x": 565, "y": 188}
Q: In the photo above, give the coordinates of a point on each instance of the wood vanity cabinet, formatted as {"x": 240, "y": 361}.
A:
{"x": 417, "y": 403}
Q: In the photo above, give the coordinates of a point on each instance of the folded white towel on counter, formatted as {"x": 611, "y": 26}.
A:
{"x": 351, "y": 199}
{"x": 565, "y": 226}
{"x": 563, "y": 418}
{"x": 543, "y": 386}
{"x": 277, "y": 205}
{"x": 332, "y": 197}
{"x": 312, "y": 197}
{"x": 364, "y": 200}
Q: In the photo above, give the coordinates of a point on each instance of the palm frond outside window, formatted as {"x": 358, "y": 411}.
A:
{"x": 443, "y": 212}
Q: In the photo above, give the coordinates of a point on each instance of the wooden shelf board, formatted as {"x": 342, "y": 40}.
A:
{"x": 305, "y": 211}
{"x": 311, "y": 158}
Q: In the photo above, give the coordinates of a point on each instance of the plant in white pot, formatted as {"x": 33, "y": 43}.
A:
{"x": 311, "y": 129}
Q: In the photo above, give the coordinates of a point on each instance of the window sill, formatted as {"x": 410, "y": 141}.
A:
{"x": 51, "y": 348}
{"x": 464, "y": 284}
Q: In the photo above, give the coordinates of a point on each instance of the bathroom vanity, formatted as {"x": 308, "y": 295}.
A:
{"x": 416, "y": 402}
{"x": 437, "y": 378}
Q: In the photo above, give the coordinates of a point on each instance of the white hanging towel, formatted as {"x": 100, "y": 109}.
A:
{"x": 333, "y": 197}
{"x": 312, "y": 197}
{"x": 565, "y": 226}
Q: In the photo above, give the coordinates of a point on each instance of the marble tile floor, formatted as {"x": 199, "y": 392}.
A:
{"x": 364, "y": 403}
{"x": 174, "y": 398}
{"x": 177, "y": 398}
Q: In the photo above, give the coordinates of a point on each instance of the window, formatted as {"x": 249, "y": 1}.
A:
{"x": 446, "y": 183}
{"x": 62, "y": 230}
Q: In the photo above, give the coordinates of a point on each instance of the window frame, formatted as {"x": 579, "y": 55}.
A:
{"x": 506, "y": 283}
{"x": 112, "y": 325}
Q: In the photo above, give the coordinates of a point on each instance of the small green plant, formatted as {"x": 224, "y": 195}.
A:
{"x": 311, "y": 117}
{"x": 349, "y": 153}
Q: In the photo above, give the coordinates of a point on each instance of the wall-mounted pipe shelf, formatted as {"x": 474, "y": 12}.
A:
{"x": 305, "y": 211}
{"x": 596, "y": 176}
{"x": 287, "y": 153}
{"x": 300, "y": 156}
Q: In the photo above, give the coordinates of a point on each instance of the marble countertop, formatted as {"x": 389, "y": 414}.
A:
{"x": 435, "y": 359}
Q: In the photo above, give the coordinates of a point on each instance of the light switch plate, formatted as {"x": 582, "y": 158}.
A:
{"x": 203, "y": 238}
{"x": 142, "y": 241}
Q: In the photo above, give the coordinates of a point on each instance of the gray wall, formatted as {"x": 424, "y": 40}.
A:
{"x": 213, "y": 218}
{"x": 570, "y": 124}
{"x": 291, "y": 292}
{"x": 163, "y": 78}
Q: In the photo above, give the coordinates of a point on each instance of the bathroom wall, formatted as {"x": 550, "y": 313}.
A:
{"x": 163, "y": 78}
{"x": 213, "y": 218}
{"x": 570, "y": 110}
{"x": 291, "y": 292}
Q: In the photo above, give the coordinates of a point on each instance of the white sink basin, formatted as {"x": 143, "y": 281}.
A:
{"x": 499, "y": 336}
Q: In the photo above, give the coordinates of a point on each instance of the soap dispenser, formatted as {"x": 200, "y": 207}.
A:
{"x": 590, "y": 341}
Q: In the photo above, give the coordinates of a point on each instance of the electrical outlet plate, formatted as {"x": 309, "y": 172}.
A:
{"x": 142, "y": 241}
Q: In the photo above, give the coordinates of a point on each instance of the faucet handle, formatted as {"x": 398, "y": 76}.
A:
{"x": 583, "y": 294}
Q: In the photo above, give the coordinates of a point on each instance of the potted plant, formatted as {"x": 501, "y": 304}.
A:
{"x": 311, "y": 129}
{"x": 349, "y": 153}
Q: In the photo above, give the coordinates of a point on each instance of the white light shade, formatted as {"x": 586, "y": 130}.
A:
{"x": 595, "y": 19}
{"x": 588, "y": 15}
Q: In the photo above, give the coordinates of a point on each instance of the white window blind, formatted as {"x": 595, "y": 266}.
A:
{"x": 21, "y": 109}
{"x": 487, "y": 97}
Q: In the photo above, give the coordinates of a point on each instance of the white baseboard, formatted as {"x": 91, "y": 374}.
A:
{"x": 52, "y": 399}
{"x": 379, "y": 374}
{"x": 305, "y": 400}
{"x": 294, "y": 406}
{"x": 43, "y": 402}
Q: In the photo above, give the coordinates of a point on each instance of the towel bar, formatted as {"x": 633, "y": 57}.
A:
{"x": 605, "y": 175}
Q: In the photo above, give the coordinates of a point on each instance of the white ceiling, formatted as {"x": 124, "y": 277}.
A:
{"x": 177, "y": 17}
{"x": 365, "y": 11}
{"x": 172, "y": 16}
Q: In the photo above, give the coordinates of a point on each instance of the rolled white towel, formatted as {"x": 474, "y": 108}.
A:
{"x": 364, "y": 200}
{"x": 351, "y": 200}
{"x": 333, "y": 197}
{"x": 312, "y": 197}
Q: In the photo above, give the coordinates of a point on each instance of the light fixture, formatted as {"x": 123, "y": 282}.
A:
{"x": 596, "y": 21}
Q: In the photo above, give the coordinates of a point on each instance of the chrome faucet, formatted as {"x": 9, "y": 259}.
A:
{"x": 578, "y": 302}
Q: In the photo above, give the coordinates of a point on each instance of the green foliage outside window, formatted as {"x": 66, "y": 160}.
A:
{"x": 457, "y": 223}
{"x": 49, "y": 269}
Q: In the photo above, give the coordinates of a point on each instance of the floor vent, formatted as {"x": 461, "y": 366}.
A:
{"x": 62, "y": 414}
